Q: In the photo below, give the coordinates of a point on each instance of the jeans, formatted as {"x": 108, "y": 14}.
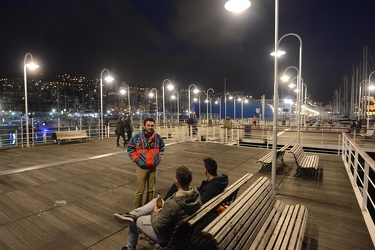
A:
{"x": 143, "y": 225}
{"x": 144, "y": 177}
{"x": 118, "y": 138}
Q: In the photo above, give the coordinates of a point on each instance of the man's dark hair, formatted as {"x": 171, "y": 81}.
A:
{"x": 184, "y": 176}
{"x": 148, "y": 119}
{"x": 211, "y": 166}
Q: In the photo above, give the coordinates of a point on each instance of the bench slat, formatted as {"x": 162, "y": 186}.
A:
{"x": 256, "y": 220}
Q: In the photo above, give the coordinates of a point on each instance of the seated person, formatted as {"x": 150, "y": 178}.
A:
{"x": 358, "y": 127}
{"x": 159, "y": 223}
{"x": 214, "y": 185}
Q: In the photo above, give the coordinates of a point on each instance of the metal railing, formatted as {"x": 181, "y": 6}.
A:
{"x": 360, "y": 168}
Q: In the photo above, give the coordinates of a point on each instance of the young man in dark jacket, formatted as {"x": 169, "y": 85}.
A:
{"x": 212, "y": 186}
{"x": 159, "y": 223}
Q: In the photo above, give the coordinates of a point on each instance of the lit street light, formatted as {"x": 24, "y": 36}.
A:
{"x": 241, "y": 6}
{"x": 123, "y": 92}
{"x": 195, "y": 92}
{"x": 156, "y": 99}
{"x": 208, "y": 100}
{"x": 177, "y": 96}
{"x": 218, "y": 101}
{"x": 31, "y": 66}
{"x": 371, "y": 87}
{"x": 108, "y": 79}
{"x": 170, "y": 87}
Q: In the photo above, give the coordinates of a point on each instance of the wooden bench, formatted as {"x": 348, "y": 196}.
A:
{"x": 256, "y": 220}
{"x": 368, "y": 135}
{"x": 186, "y": 231}
{"x": 267, "y": 159}
{"x": 304, "y": 161}
{"x": 69, "y": 135}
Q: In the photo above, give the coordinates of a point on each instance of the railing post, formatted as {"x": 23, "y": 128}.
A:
{"x": 365, "y": 187}
{"x": 32, "y": 132}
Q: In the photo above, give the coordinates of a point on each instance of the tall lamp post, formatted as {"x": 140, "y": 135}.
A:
{"x": 238, "y": 6}
{"x": 31, "y": 66}
{"x": 199, "y": 105}
{"x": 170, "y": 87}
{"x": 195, "y": 92}
{"x": 156, "y": 99}
{"x": 108, "y": 78}
{"x": 218, "y": 101}
{"x": 359, "y": 99}
{"x": 177, "y": 96}
{"x": 371, "y": 87}
{"x": 299, "y": 82}
{"x": 123, "y": 92}
{"x": 246, "y": 101}
{"x": 208, "y": 101}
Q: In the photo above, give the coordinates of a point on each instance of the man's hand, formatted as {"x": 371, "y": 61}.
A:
{"x": 157, "y": 209}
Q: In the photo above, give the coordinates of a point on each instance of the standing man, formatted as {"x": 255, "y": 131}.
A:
{"x": 120, "y": 130}
{"x": 146, "y": 149}
{"x": 228, "y": 123}
{"x": 128, "y": 127}
{"x": 191, "y": 123}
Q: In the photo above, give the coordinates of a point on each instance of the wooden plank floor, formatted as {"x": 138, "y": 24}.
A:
{"x": 96, "y": 185}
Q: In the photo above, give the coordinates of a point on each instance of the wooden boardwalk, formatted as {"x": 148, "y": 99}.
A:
{"x": 96, "y": 179}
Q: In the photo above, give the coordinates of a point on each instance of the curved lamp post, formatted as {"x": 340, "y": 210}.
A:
{"x": 359, "y": 99}
{"x": 209, "y": 101}
{"x": 156, "y": 99}
{"x": 170, "y": 87}
{"x": 218, "y": 101}
{"x": 108, "y": 78}
{"x": 123, "y": 92}
{"x": 198, "y": 98}
{"x": 31, "y": 66}
{"x": 299, "y": 82}
{"x": 195, "y": 92}
{"x": 246, "y": 101}
{"x": 177, "y": 96}
{"x": 371, "y": 87}
{"x": 241, "y": 7}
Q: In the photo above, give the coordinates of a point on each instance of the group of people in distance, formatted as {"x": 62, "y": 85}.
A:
{"x": 146, "y": 149}
{"x": 124, "y": 125}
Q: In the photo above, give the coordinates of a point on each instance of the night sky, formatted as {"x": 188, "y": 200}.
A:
{"x": 191, "y": 41}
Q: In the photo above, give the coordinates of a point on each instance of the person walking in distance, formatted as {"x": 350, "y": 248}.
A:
{"x": 128, "y": 128}
{"x": 146, "y": 149}
{"x": 255, "y": 120}
{"x": 120, "y": 130}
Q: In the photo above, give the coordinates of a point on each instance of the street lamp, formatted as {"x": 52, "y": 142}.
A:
{"x": 170, "y": 87}
{"x": 218, "y": 101}
{"x": 156, "y": 99}
{"x": 123, "y": 91}
{"x": 199, "y": 104}
{"x": 246, "y": 4}
{"x": 177, "y": 96}
{"x": 209, "y": 101}
{"x": 242, "y": 101}
{"x": 195, "y": 92}
{"x": 299, "y": 82}
{"x": 108, "y": 79}
{"x": 368, "y": 99}
{"x": 359, "y": 99}
{"x": 31, "y": 66}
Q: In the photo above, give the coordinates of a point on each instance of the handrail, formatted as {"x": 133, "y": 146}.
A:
{"x": 359, "y": 165}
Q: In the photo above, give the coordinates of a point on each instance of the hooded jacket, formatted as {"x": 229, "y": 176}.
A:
{"x": 176, "y": 208}
{"x": 210, "y": 188}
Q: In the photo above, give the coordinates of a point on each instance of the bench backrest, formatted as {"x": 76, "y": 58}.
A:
{"x": 207, "y": 213}
{"x": 238, "y": 226}
{"x": 68, "y": 134}
{"x": 298, "y": 152}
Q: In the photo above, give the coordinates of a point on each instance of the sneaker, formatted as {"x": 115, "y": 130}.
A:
{"x": 126, "y": 217}
{"x": 124, "y": 248}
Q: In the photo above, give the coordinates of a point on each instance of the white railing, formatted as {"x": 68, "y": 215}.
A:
{"x": 361, "y": 168}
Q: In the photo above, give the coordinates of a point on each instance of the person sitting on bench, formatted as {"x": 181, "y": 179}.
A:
{"x": 212, "y": 186}
{"x": 158, "y": 222}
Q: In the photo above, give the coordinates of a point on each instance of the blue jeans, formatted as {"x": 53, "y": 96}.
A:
{"x": 143, "y": 225}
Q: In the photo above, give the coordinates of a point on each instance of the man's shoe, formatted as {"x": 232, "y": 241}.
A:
{"x": 126, "y": 217}
{"x": 124, "y": 248}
